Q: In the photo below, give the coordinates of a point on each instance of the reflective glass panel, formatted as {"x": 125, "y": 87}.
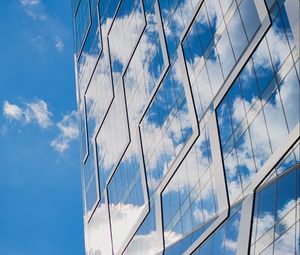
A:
{"x": 189, "y": 199}
{"x": 224, "y": 239}
{"x": 126, "y": 198}
{"x": 166, "y": 127}
{"x": 255, "y": 117}
{"x": 275, "y": 212}
{"x": 213, "y": 46}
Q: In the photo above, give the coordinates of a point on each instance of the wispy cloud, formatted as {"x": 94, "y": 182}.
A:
{"x": 11, "y": 111}
{"x": 59, "y": 44}
{"x": 39, "y": 43}
{"x": 30, "y": 2}
{"x": 68, "y": 131}
{"x": 34, "y": 9}
{"x": 37, "y": 112}
{"x": 31, "y": 112}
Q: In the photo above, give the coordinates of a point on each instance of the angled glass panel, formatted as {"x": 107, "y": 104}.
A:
{"x": 166, "y": 127}
{"x": 75, "y": 4}
{"x": 147, "y": 239}
{"x": 275, "y": 121}
{"x": 236, "y": 30}
{"x": 189, "y": 199}
{"x": 91, "y": 183}
{"x": 98, "y": 231}
{"x": 289, "y": 90}
{"x": 183, "y": 244}
{"x": 275, "y": 211}
{"x": 259, "y": 110}
{"x": 126, "y": 29}
{"x": 89, "y": 56}
{"x": 82, "y": 22}
{"x": 125, "y": 195}
{"x": 224, "y": 239}
{"x": 213, "y": 46}
{"x": 112, "y": 138}
{"x": 144, "y": 69}
{"x": 225, "y": 54}
{"x": 175, "y": 17}
{"x": 98, "y": 97}
{"x": 83, "y": 132}
{"x": 249, "y": 17}
{"x": 108, "y": 9}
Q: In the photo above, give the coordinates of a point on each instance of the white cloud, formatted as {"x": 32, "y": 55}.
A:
{"x": 38, "y": 111}
{"x": 38, "y": 42}
{"x": 29, "y": 2}
{"x": 11, "y": 111}
{"x": 68, "y": 131}
{"x": 34, "y": 9}
{"x": 32, "y": 112}
{"x": 59, "y": 44}
{"x": 35, "y": 15}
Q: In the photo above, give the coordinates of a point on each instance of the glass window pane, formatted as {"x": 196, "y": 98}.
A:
{"x": 225, "y": 53}
{"x": 290, "y": 94}
{"x": 286, "y": 243}
{"x": 237, "y": 35}
{"x": 250, "y": 17}
{"x": 276, "y": 124}
{"x": 214, "y": 72}
{"x": 260, "y": 140}
{"x": 262, "y": 65}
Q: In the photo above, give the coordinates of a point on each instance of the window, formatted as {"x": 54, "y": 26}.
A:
{"x": 82, "y": 23}
{"x": 258, "y": 112}
{"x": 275, "y": 221}
{"x": 189, "y": 199}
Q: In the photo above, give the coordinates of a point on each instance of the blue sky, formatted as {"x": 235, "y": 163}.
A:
{"x": 40, "y": 189}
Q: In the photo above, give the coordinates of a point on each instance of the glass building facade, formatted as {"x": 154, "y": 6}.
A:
{"x": 189, "y": 119}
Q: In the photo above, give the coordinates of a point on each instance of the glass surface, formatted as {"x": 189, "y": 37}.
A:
{"x": 82, "y": 22}
{"x": 249, "y": 17}
{"x": 88, "y": 58}
{"x": 124, "y": 33}
{"x": 125, "y": 195}
{"x": 114, "y": 130}
{"x": 236, "y": 30}
{"x": 137, "y": 107}
{"x": 146, "y": 240}
{"x": 215, "y": 43}
{"x": 98, "y": 97}
{"x": 166, "y": 127}
{"x": 98, "y": 232}
{"x": 275, "y": 214}
{"x": 91, "y": 184}
{"x": 144, "y": 69}
{"x": 225, "y": 54}
{"x": 224, "y": 239}
{"x": 175, "y": 15}
{"x": 255, "y": 117}
{"x": 189, "y": 199}
{"x": 83, "y": 132}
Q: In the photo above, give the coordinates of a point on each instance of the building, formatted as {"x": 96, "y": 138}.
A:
{"x": 189, "y": 125}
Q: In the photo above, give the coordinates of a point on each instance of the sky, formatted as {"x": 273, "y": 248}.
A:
{"x": 40, "y": 187}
